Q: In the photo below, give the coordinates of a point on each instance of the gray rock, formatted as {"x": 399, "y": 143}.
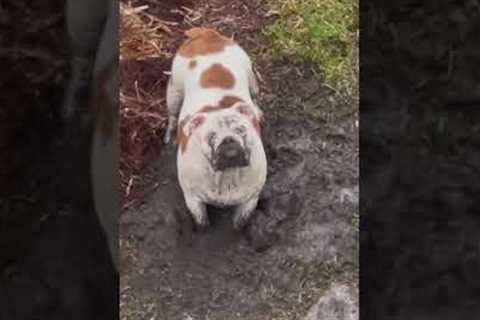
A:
{"x": 338, "y": 303}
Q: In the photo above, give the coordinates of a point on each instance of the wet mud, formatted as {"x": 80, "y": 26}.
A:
{"x": 305, "y": 215}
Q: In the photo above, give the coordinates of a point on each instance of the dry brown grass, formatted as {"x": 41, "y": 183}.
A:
{"x": 143, "y": 37}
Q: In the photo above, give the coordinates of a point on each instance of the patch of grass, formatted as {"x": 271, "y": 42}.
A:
{"x": 356, "y": 221}
{"x": 324, "y": 32}
{"x": 285, "y": 298}
{"x": 135, "y": 308}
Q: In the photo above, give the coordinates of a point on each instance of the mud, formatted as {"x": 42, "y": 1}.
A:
{"x": 303, "y": 217}
{"x": 303, "y": 233}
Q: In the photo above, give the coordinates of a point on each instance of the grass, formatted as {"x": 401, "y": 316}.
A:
{"x": 134, "y": 308}
{"x": 290, "y": 298}
{"x": 324, "y": 32}
{"x": 356, "y": 221}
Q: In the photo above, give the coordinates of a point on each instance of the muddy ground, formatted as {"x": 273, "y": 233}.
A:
{"x": 54, "y": 263}
{"x": 304, "y": 233}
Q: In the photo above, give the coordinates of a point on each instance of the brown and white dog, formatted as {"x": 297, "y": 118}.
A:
{"x": 221, "y": 160}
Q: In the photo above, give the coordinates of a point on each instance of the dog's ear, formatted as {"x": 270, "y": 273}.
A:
{"x": 195, "y": 123}
{"x": 186, "y": 128}
{"x": 260, "y": 116}
{"x": 247, "y": 111}
{"x": 244, "y": 109}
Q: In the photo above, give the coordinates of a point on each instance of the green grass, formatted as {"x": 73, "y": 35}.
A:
{"x": 324, "y": 32}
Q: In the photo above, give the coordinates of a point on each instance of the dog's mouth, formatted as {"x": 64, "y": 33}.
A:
{"x": 230, "y": 154}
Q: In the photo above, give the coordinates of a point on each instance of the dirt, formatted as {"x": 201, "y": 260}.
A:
{"x": 145, "y": 77}
{"x": 53, "y": 258}
{"x": 304, "y": 232}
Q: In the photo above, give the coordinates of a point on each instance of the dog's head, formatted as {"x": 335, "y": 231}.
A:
{"x": 225, "y": 137}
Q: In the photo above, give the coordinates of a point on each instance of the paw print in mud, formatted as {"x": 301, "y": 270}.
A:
{"x": 282, "y": 159}
{"x": 273, "y": 211}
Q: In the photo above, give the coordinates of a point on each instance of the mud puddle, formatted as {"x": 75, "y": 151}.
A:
{"x": 304, "y": 218}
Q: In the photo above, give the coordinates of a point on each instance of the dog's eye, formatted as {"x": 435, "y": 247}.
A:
{"x": 211, "y": 137}
{"x": 240, "y": 130}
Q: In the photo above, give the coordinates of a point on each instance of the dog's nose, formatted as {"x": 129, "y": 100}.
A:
{"x": 230, "y": 148}
{"x": 228, "y": 141}
{"x": 230, "y": 154}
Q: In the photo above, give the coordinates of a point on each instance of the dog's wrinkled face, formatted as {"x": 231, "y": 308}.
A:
{"x": 226, "y": 137}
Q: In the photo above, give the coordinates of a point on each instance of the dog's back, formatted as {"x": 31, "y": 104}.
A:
{"x": 209, "y": 66}
{"x": 210, "y": 92}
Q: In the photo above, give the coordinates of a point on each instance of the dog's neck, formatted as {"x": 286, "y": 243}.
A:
{"x": 230, "y": 179}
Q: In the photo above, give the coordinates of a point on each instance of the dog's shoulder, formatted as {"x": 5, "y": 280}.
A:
{"x": 203, "y": 41}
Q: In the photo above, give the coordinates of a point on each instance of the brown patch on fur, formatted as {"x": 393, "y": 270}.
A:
{"x": 225, "y": 103}
{"x": 203, "y": 41}
{"x": 192, "y": 64}
{"x": 217, "y": 76}
{"x": 199, "y": 32}
{"x": 102, "y": 103}
{"x": 209, "y": 108}
{"x": 229, "y": 101}
{"x": 182, "y": 138}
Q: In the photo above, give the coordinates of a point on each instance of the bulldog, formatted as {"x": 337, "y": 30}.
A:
{"x": 92, "y": 28}
{"x": 220, "y": 159}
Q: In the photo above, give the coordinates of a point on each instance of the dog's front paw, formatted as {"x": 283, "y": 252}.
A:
{"x": 167, "y": 138}
{"x": 202, "y": 224}
{"x": 239, "y": 222}
{"x": 243, "y": 213}
{"x": 198, "y": 211}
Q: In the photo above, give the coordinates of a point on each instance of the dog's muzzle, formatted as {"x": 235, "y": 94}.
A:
{"x": 230, "y": 154}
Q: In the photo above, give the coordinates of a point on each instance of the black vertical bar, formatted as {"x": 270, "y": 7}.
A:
{"x": 55, "y": 249}
{"x": 419, "y": 160}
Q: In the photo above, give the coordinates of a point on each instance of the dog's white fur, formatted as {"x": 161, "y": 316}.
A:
{"x": 201, "y": 184}
{"x": 185, "y": 96}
